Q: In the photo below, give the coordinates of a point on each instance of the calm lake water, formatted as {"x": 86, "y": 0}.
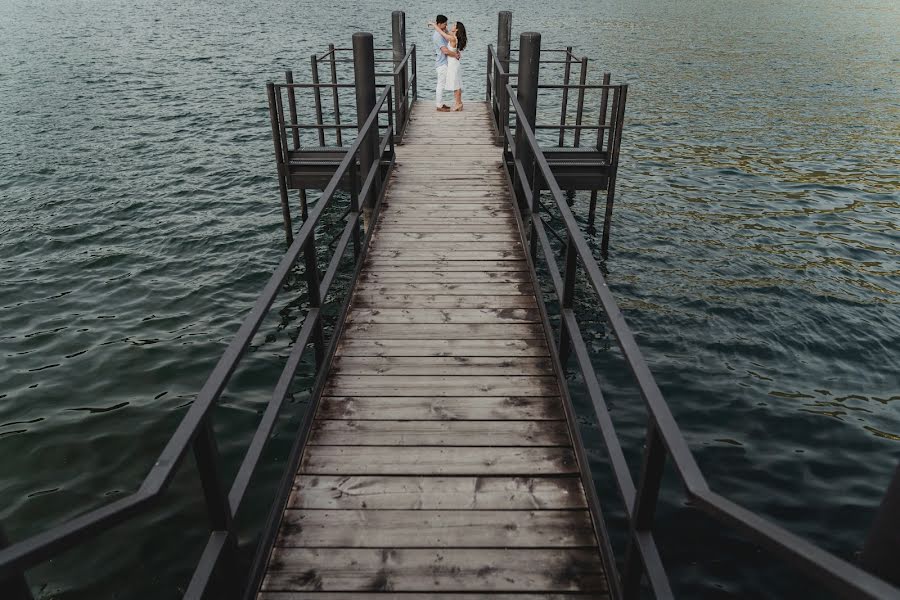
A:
{"x": 755, "y": 254}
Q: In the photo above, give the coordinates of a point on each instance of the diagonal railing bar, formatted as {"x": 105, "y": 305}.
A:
{"x": 665, "y": 439}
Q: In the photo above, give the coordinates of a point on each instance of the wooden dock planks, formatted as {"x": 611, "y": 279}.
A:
{"x": 439, "y": 465}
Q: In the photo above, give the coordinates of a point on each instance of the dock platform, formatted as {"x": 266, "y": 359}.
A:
{"x": 440, "y": 460}
{"x": 440, "y": 456}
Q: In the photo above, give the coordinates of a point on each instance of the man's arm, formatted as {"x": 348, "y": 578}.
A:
{"x": 454, "y": 53}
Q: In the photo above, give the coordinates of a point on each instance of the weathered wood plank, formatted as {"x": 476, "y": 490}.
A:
{"x": 439, "y": 433}
{"x": 459, "y": 173}
{"x": 450, "y": 208}
{"x": 419, "y": 596}
{"x": 427, "y": 570}
{"x": 414, "y": 385}
{"x": 449, "y": 203}
{"x": 437, "y": 493}
{"x": 534, "y": 408}
{"x": 497, "y": 183}
{"x": 449, "y": 277}
{"x": 443, "y": 347}
{"x": 411, "y": 210}
{"x": 446, "y": 237}
{"x": 441, "y": 365}
{"x": 399, "y": 264}
{"x": 364, "y": 300}
{"x": 443, "y": 315}
{"x": 368, "y": 528}
{"x": 443, "y": 331}
{"x": 451, "y": 227}
{"x": 504, "y": 247}
{"x": 388, "y": 219}
{"x": 414, "y": 253}
{"x": 437, "y": 460}
{"x": 384, "y": 287}
{"x": 443, "y": 195}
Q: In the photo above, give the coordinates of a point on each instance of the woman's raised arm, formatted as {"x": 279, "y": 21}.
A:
{"x": 444, "y": 34}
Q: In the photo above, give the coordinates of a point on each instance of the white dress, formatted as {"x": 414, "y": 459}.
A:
{"x": 454, "y": 73}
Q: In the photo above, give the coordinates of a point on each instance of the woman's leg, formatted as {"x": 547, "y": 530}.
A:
{"x": 458, "y": 95}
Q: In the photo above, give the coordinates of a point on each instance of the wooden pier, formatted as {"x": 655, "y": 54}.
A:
{"x": 440, "y": 459}
{"x": 439, "y": 456}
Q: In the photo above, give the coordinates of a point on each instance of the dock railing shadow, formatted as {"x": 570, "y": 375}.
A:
{"x": 530, "y": 175}
{"x": 217, "y": 564}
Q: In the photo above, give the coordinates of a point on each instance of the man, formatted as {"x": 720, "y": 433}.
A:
{"x": 441, "y": 52}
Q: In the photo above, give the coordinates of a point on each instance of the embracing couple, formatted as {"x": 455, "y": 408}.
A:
{"x": 448, "y": 46}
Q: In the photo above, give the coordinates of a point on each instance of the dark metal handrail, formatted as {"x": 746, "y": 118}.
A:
{"x": 407, "y": 90}
{"x": 195, "y": 431}
{"x": 664, "y": 438}
{"x": 404, "y": 83}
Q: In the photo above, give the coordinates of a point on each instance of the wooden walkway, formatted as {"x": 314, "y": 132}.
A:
{"x": 440, "y": 461}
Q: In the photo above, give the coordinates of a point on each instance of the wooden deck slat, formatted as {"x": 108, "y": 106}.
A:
{"x": 380, "y": 264}
{"x": 437, "y": 493}
{"x": 438, "y": 433}
{"x": 424, "y": 570}
{"x": 418, "y": 528}
{"x": 461, "y": 277}
{"x": 415, "y": 385}
{"x": 530, "y": 408}
{"x": 443, "y": 347}
{"x": 446, "y": 331}
{"x": 439, "y": 465}
{"x": 453, "y": 289}
{"x": 436, "y": 460}
{"x": 444, "y": 315}
{"x": 441, "y": 365}
{"x": 441, "y": 301}
{"x": 418, "y": 596}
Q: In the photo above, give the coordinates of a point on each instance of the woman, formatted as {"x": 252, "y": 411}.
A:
{"x": 457, "y": 40}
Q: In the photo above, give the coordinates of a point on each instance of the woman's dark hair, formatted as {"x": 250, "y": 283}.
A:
{"x": 461, "y": 38}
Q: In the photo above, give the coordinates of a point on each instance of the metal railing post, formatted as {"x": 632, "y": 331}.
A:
{"x": 415, "y": 77}
{"x": 292, "y": 108}
{"x": 334, "y": 96}
{"x": 353, "y": 173}
{"x": 644, "y": 509}
{"x": 391, "y": 125}
{"x": 487, "y": 82}
{"x": 534, "y": 209}
{"x": 206, "y": 454}
{"x": 582, "y": 81}
{"x": 565, "y": 96}
{"x": 615, "y": 141}
{"x": 315, "y": 297}
{"x": 504, "y": 35}
{"x": 317, "y": 97}
{"x": 529, "y": 72}
{"x": 280, "y": 165}
{"x": 364, "y": 75}
{"x": 398, "y": 44}
{"x": 604, "y": 100}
